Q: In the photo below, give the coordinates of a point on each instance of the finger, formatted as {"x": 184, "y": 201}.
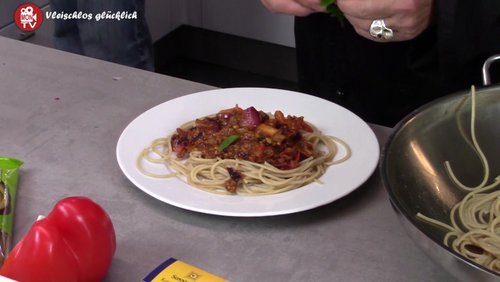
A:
{"x": 364, "y": 9}
{"x": 314, "y": 5}
{"x": 401, "y": 29}
{"x": 408, "y": 19}
{"x": 362, "y": 27}
{"x": 287, "y": 7}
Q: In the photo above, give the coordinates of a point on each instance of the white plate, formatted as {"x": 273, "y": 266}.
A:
{"x": 331, "y": 119}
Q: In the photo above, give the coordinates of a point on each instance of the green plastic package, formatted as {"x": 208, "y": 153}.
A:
{"x": 9, "y": 174}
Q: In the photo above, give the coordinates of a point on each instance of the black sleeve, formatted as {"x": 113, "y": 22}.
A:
{"x": 468, "y": 33}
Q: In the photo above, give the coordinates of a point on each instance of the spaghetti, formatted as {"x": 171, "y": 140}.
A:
{"x": 475, "y": 220}
{"x": 270, "y": 153}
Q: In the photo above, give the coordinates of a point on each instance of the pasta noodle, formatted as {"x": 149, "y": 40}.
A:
{"x": 210, "y": 174}
{"x": 475, "y": 220}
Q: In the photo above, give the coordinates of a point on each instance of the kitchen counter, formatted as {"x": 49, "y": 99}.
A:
{"x": 62, "y": 114}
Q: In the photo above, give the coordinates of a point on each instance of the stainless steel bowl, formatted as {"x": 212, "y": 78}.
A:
{"x": 413, "y": 171}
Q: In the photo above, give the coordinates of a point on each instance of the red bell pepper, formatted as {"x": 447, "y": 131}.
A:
{"x": 75, "y": 242}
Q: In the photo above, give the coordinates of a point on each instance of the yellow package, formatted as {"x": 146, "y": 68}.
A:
{"x": 173, "y": 270}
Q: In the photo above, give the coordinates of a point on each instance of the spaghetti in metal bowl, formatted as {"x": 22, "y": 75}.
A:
{"x": 245, "y": 152}
{"x": 474, "y": 229}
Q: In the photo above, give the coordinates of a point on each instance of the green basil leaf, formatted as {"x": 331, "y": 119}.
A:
{"x": 333, "y": 10}
{"x": 228, "y": 141}
{"x": 325, "y": 3}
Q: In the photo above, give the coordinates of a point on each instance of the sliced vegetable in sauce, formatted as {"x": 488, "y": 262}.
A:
{"x": 228, "y": 141}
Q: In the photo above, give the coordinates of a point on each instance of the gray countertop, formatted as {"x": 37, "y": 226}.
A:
{"x": 62, "y": 115}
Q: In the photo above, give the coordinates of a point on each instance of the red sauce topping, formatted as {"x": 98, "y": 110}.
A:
{"x": 260, "y": 138}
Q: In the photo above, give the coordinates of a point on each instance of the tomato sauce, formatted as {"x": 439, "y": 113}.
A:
{"x": 254, "y": 136}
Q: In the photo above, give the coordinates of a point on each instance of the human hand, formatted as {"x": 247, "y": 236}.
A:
{"x": 294, "y": 7}
{"x": 407, "y": 18}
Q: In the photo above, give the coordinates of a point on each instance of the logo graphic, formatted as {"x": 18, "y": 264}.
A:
{"x": 28, "y": 17}
{"x": 193, "y": 275}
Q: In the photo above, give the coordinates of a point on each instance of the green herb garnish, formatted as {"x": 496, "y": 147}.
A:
{"x": 333, "y": 10}
{"x": 228, "y": 141}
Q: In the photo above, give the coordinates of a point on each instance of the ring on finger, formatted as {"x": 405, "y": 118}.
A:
{"x": 379, "y": 30}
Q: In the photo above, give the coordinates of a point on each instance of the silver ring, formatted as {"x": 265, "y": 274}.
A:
{"x": 379, "y": 30}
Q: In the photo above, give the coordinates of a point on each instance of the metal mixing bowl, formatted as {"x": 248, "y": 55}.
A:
{"x": 413, "y": 171}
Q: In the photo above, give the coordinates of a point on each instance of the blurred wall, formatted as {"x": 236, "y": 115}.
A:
{"x": 247, "y": 18}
